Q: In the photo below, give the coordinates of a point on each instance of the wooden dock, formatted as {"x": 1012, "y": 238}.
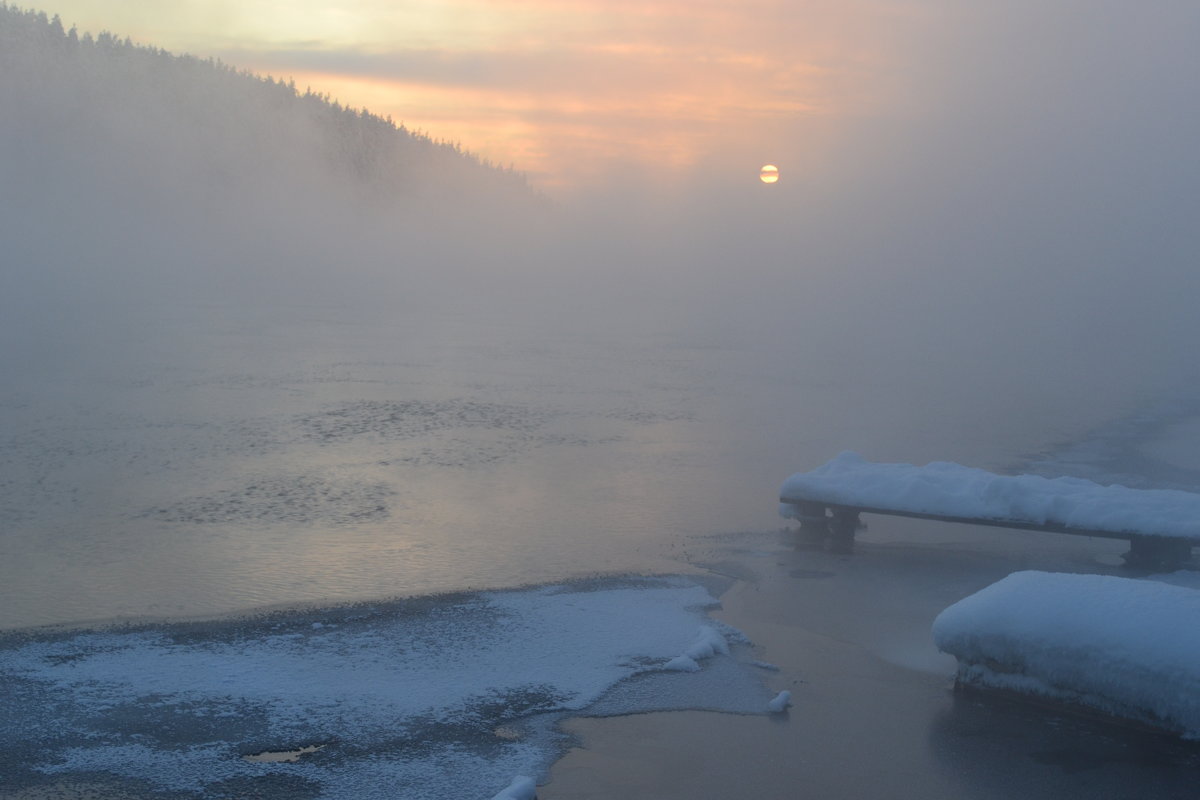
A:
{"x": 827, "y": 511}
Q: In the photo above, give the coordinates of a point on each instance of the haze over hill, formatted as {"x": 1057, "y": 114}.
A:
{"x": 129, "y": 170}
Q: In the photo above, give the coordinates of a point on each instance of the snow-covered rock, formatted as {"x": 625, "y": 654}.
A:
{"x": 1123, "y": 646}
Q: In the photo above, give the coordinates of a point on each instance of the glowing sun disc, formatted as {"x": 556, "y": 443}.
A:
{"x": 769, "y": 174}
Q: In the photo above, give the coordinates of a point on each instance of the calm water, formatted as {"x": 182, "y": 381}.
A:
{"x": 196, "y": 461}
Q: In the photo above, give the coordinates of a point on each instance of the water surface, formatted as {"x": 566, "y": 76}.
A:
{"x": 190, "y": 460}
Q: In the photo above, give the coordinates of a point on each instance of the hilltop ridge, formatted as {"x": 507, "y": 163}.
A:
{"x": 136, "y": 94}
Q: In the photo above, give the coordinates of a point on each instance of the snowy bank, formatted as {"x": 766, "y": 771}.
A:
{"x": 952, "y": 490}
{"x": 1123, "y": 646}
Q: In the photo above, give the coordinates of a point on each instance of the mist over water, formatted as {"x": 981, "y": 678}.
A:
{"x": 239, "y": 372}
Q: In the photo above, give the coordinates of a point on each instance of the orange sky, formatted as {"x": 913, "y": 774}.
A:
{"x": 573, "y": 92}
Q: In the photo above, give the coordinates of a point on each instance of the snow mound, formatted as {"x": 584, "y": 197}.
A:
{"x": 708, "y": 643}
{"x": 521, "y": 788}
{"x": 780, "y": 702}
{"x": 948, "y": 489}
{"x": 682, "y": 664}
{"x": 1123, "y": 646}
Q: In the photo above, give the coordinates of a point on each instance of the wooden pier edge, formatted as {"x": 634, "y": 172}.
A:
{"x": 837, "y": 524}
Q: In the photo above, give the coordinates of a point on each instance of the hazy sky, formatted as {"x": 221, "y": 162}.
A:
{"x": 573, "y": 92}
{"x": 583, "y": 93}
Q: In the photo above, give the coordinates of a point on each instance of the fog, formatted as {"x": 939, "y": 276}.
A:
{"x": 1008, "y": 229}
{"x": 259, "y": 350}
{"x": 1019, "y": 218}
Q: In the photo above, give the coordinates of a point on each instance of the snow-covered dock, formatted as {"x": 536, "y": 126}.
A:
{"x": 1124, "y": 646}
{"x": 1161, "y": 525}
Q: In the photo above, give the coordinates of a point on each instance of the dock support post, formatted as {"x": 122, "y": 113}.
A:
{"x": 842, "y": 527}
{"x": 814, "y": 525}
{"x": 1157, "y": 552}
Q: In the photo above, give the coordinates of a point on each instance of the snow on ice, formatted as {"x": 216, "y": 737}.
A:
{"x": 522, "y": 788}
{"x": 948, "y": 489}
{"x": 426, "y": 698}
{"x": 1129, "y": 647}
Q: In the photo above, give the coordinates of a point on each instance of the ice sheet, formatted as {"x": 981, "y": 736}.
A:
{"x": 430, "y": 698}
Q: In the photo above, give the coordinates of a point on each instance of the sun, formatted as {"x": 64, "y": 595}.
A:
{"x": 769, "y": 173}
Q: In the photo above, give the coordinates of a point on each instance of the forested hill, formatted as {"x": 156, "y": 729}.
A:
{"x": 116, "y": 89}
{"x": 125, "y": 159}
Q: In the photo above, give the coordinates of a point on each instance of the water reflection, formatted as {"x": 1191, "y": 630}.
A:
{"x": 996, "y": 746}
{"x": 242, "y": 457}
